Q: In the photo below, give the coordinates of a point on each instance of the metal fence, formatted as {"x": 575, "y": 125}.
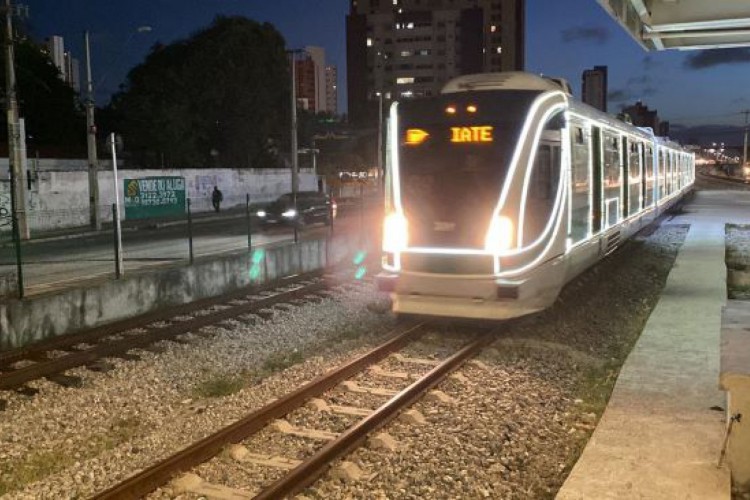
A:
{"x": 57, "y": 258}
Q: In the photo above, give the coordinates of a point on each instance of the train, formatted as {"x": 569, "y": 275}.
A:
{"x": 503, "y": 188}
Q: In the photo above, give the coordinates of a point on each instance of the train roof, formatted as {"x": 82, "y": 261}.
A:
{"x": 507, "y": 80}
{"x": 520, "y": 80}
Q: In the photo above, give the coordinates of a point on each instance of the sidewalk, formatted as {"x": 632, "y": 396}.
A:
{"x": 127, "y": 226}
{"x": 659, "y": 437}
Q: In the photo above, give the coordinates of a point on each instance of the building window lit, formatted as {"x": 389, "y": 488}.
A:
{"x": 405, "y": 53}
{"x": 493, "y": 28}
{"x": 404, "y": 80}
{"x": 407, "y": 93}
{"x": 499, "y": 50}
{"x": 369, "y": 42}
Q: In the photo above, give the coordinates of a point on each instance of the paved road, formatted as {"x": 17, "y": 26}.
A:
{"x": 54, "y": 264}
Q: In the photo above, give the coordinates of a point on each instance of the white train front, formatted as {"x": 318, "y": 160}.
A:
{"x": 503, "y": 188}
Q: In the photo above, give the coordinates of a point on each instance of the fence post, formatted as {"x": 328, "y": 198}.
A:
{"x": 190, "y": 232}
{"x": 362, "y": 213}
{"x": 249, "y": 224}
{"x": 19, "y": 260}
{"x": 116, "y": 237}
{"x": 295, "y": 223}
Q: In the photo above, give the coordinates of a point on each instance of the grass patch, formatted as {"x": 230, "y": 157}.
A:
{"x": 15, "y": 475}
{"x": 282, "y": 360}
{"x": 219, "y": 386}
{"x": 36, "y": 466}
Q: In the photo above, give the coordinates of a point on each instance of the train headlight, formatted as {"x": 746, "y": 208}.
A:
{"x": 395, "y": 233}
{"x": 500, "y": 236}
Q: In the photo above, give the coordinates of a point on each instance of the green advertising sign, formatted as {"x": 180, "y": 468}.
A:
{"x": 153, "y": 197}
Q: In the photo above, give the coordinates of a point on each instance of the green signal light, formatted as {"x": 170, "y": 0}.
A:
{"x": 258, "y": 255}
{"x": 256, "y": 259}
{"x": 359, "y": 258}
{"x": 361, "y": 271}
{"x": 255, "y": 272}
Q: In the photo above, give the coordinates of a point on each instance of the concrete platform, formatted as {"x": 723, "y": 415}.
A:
{"x": 659, "y": 437}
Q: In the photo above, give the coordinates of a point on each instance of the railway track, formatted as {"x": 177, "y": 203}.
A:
{"x": 50, "y": 359}
{"x": 292, "y": 474}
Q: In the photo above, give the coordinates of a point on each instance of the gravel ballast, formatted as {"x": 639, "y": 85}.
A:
{"x": 516, "y": 426}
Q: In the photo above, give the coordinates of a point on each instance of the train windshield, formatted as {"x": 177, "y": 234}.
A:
{"x": 454, "y": 155}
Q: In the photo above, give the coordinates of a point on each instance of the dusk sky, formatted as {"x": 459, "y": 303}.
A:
{"x": 562, "y": 39}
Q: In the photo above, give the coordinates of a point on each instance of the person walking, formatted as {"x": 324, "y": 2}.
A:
{"x": 216, "y": 198}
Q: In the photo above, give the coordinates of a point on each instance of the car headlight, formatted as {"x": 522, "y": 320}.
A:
{"x": 395, "y": 233}
{"x": 260, "y": 213}
{"x": 500, "y": 236}
{"x": 289, "y": 213}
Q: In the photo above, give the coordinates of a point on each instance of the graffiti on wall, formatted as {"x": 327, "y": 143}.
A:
{"x": 5, "y": 219}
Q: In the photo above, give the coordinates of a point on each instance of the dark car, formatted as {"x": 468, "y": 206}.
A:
{"x": 311, "y": 207}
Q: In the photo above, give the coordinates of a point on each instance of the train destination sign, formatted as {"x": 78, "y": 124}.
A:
{"x": 152, "y": 197}
{"x": 472, "y": 134}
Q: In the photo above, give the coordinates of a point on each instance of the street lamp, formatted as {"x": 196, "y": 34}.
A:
{"x": 93, "y": 162}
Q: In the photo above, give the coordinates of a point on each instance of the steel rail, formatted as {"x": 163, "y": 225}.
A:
{"x": 157, "y": 475}
{"x": 15, "y": 378}
{"x": 309, "y": 470}
{"x": 95, "y": 334}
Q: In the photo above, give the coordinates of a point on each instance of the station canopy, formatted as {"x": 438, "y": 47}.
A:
{"x": 683, "y": 24}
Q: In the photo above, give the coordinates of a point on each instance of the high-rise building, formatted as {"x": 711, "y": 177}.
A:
{"x": 313, "y": 81}
{"x": 332, "y": 93}
{"x": 318, "y": 55}
{"x": 305, "y": 83}
{"x": 56, "y": 48}
{"x": 641, "y": 116}
{"x": 411, "y": 48}
{"x": 68, "y": 66}
{"x": 72, "y": 72}
{"x": 594, "y": 87}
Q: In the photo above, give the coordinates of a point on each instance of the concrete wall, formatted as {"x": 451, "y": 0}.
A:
{"x": 26, "y": 321}
{"x": 58, "y": 197}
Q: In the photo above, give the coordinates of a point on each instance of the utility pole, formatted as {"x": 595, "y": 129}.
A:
{"x": 381, "y": 171}
{"x": 15, "y": 164}
{"x": 295, "y": 169}
{"x": 744, "y": 149}
{"x": 94, "y": 215}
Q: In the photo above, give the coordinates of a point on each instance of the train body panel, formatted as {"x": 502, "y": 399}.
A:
{"x": 503, "y": 189}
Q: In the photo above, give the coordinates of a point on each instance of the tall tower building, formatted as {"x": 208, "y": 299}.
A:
{"x": 411, "y": 48}
{"x": 594, "y": 87}
{"x": 315, "y": 81}
{"x": 305, "y": 83}
{"x": 56, "y": 48}
{"x": 318, "y": 56}
{"x": 332, "y": 92}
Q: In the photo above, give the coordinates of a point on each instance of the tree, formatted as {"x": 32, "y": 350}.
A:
{"x": 53, "y": 116}
{"x": 219, "y": 97}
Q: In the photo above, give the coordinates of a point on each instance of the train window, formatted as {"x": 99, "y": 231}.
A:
{"x": 662, "y": 176}
{"x": 579, "y": 137}
{"x": 634, "y": 178}
{"x": 611, "y": 178}
{"x": 650, "y": 177}
{"x": 580, "y": 182}
{"x": 542, "y": 192}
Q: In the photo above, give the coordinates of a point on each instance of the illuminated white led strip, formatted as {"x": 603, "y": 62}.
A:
{"x": 607, "y": 203}
{"x": 519, "y": 146}
{"x": 542, "y": 255}
{"x": 396, "y": 174}
{"x": 448, "y": 251}
{"x": 527, "y": 176}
